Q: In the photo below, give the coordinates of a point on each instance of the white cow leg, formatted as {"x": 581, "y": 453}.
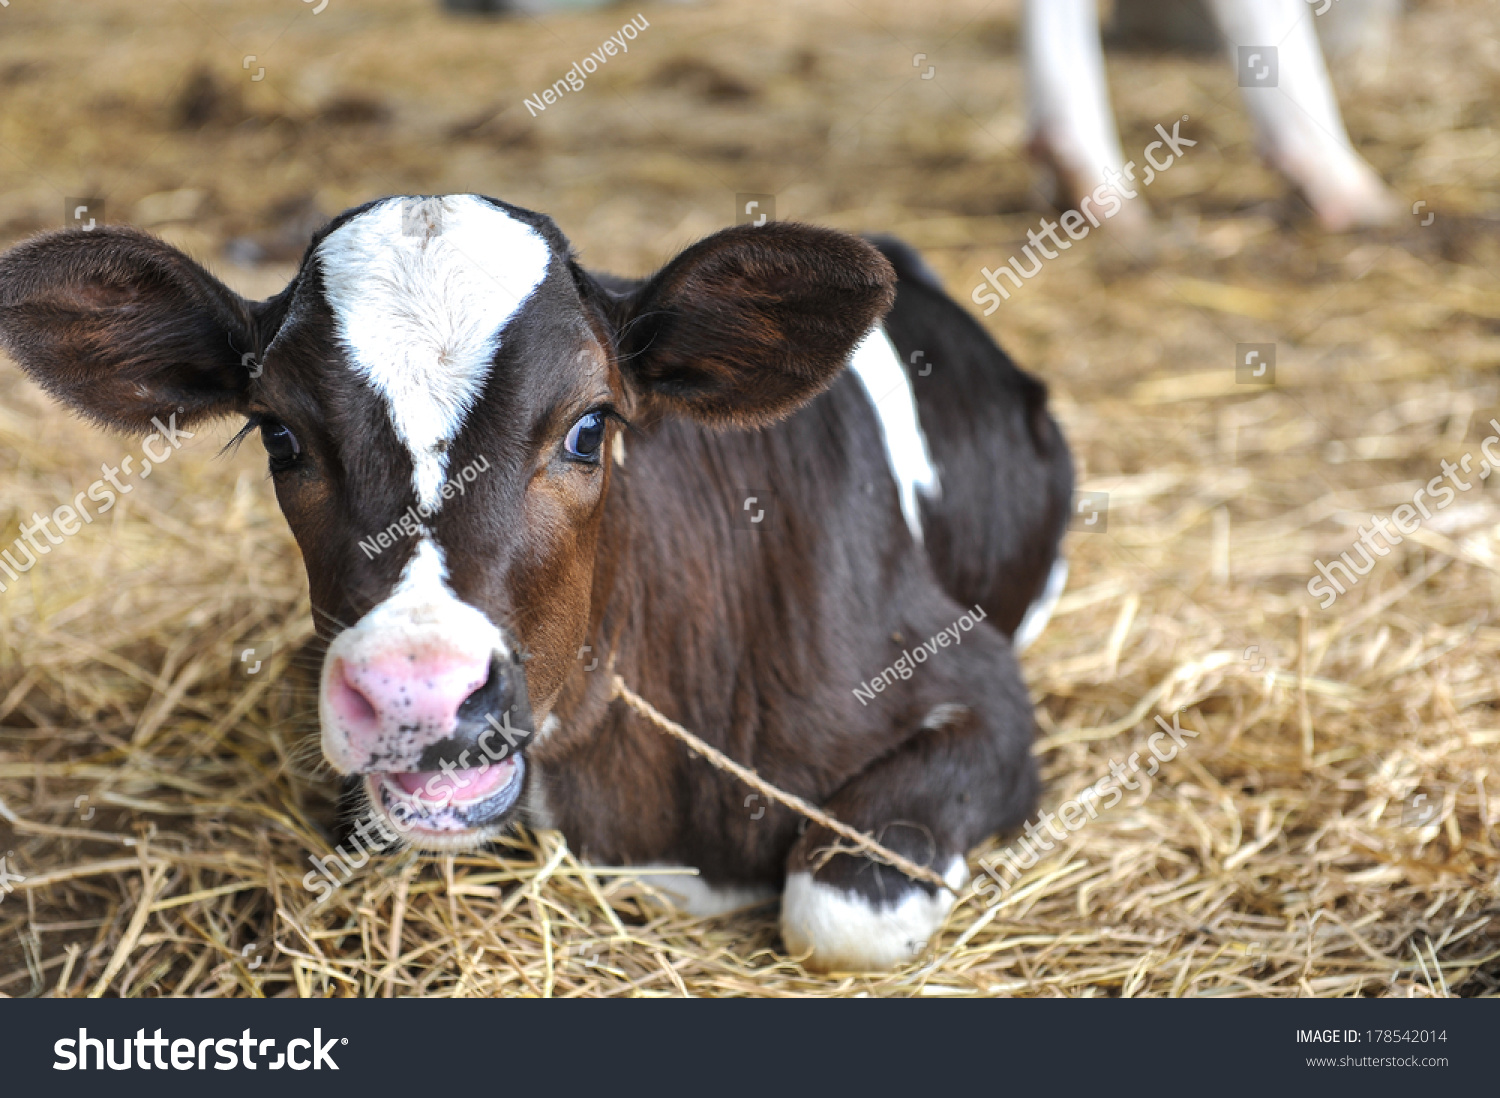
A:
{"x": 1300, "y": 130}
{"x": 1072, "y": 128}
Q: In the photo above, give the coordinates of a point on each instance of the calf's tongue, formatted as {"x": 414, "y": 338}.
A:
{"x": 454, "y": 786}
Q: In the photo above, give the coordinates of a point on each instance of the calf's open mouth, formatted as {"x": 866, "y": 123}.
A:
{"x": 448, "y": 802}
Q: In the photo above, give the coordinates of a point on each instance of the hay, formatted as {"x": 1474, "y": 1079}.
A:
{"x": 1270, "y": 857}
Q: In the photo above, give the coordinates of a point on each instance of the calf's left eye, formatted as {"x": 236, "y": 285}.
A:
{"x": 585, "y": 437}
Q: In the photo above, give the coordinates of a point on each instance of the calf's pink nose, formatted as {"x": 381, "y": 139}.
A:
{"x": 404, "y": 693}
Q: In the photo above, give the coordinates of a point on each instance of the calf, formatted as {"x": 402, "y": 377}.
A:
{"x": 511, "y": 479}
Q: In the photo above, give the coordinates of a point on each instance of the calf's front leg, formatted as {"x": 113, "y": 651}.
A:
{"x": 965, "y": 774}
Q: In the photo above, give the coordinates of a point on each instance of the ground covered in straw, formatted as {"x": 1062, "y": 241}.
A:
{"x": 1329, "y": 830}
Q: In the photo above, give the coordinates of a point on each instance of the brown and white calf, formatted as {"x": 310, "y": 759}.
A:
{"x": 623, "y": 428}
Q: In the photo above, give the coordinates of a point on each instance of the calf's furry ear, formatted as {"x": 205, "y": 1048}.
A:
{"x": 744, "y": 327}
{"x": 124, "y": 327}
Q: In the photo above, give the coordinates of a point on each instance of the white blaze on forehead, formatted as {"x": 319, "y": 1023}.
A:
{"x": 878, "y": 367}
{"x": 420, "y": 291}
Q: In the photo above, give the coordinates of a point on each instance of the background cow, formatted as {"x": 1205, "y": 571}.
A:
{"x": 925, "y": 487}
{"x": 1289, "y": 97}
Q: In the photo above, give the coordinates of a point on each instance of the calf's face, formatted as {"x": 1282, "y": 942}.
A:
{"x": 439, "y": 391}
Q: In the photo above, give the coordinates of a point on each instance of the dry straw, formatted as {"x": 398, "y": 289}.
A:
{"x": 162, "y": 805}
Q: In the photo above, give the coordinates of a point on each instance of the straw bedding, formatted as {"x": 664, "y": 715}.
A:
{"x": 1330, "y": 828}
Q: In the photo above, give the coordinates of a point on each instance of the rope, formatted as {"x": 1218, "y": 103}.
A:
{"x": 861, "y": 840}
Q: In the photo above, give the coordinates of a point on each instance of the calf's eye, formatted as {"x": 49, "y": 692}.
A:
{"x": 585, "y": 438}
{"x": 281, "y": 445}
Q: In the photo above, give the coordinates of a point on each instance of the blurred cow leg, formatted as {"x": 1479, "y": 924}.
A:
{"x": 1072, "y": 128}
{"x": 1297, "y": 120}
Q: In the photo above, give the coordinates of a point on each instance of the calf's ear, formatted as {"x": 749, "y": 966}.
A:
{"x": 747, "y": 325}
{"x": 124, "y": 327}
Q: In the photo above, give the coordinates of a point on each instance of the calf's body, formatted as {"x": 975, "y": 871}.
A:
{"x": 757, "y": 636}
{"x": 818, "y": 570}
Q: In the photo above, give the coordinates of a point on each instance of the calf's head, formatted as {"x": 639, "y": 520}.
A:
{"x": 438, "y": 391}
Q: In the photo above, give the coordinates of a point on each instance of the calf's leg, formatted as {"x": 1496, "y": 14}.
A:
{"x": 965, "y": 774}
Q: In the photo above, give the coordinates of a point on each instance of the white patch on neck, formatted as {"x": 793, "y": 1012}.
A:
{"x": 1039, "y": 613}
{"x": 420, "y": 311}
{"x": 878, "y": 367}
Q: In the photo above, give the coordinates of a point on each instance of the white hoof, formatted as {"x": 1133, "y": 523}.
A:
{"x": 840, "y": 931}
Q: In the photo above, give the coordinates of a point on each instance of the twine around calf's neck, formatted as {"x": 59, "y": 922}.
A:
{"x": 788, "y": 800}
